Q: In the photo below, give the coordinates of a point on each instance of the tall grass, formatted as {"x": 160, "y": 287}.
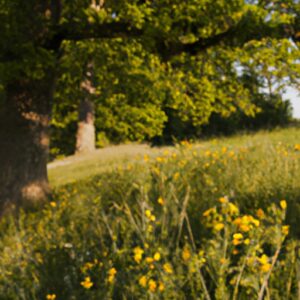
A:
{"x": 164, "y": 227}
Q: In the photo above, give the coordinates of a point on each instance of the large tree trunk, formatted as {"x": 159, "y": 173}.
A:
{"x": 85, "y": 140}
{"x": 24, "y": 143}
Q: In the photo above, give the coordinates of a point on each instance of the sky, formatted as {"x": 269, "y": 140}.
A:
{"x": 294, "y": 97}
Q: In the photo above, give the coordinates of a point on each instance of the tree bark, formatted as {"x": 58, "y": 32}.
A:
{"x": 86, "y": 132}
{"x": 85, "y": 140}
{"x": 24, "y": 143}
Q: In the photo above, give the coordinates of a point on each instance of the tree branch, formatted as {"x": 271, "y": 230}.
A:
{"x": 236, "y": 35}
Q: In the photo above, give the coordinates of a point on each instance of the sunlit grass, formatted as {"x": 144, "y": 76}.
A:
{"x": 207, "y": 220}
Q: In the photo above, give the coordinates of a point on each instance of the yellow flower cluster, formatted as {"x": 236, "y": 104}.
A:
{"x": 219, "y": 226}
{"x": 186, "y": 254}
{"x": 51, "y": 297}
{"x": 157, "y": 256}
{"x": 265, "y": 266}
{"x": 168, "y": 268}
{"x": 238, "y": 239}
{"x": 149, "y": 215}
{"x": 209, "y": 212}
{"x": 151, "y": 283}
{"x": 260, "y": 213}
{"x": 111, "y": 275}
{"x": 138, "y": 254}
{"x": 87, "y": 283}
{"x": 285, "y": 229}
{"x": 245, "y": 223}
{"x": 223, "y": 199}
{"x": 143, "y": 281}
{"x": 160, "y": 201}
{"x": 283, "y": 204}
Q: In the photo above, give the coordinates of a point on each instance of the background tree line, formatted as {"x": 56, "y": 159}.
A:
{"x": 136, "y": 96}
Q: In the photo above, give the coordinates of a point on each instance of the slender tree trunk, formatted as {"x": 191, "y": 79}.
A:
{"x": 85, "y": 140}
{"x": 24, "y": 143}
{"x": 86, "y": 132}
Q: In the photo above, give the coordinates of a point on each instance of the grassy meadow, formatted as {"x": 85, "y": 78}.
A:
{"x": 216, "y": 219}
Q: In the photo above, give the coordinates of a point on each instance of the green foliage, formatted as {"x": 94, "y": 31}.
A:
{"x": 138, "y": 97}
{"x": 138, "y": 78}
{"x": 172, "y": 218}
{"x": 273, "y": 112}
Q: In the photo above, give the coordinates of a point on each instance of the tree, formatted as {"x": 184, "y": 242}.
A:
{"x": 31, "y": 36}
{"x": 86, "y": 133}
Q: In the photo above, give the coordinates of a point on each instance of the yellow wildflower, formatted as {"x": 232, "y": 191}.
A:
{"x": 260, "y": 213}
{"x": 156, "y": 256}
{"x": 219, "y": 226}
{"x": 53, "y": 204}
{"x": 237, "y": 221}
{"x": 159, "y": 159}
{"x": 264, "y": 259}
{"x": 244, "y": 228}
{"x": 152, "y": 218}
{"x": 285, "y": 230}
{"x": 152, "y": 285}
{"x": 244, "y": 223}
{"x": 138, "y": 254}
{"x": 51, "y": 297}
{"x": 111, "y": 274}
{"x": 168, "y": 268}
{"x": 283, "y": 204}
{"x": 207, "y": 153}
{"x": 87, "y": 283}
{"x": 223, "y": 199}
{"x": 149, "y": 215}
{"x": 149, "y": 260}
{"x": 87, "y": 266}
{"x": 223, "y": 260}
{"x": 161, "y": 287}
{"x": 160, "y": 201}
{"x": 297, "y": 147}
{"x": 236, "y": 242}
{"x": 233, "y": 209}
{"x": 208, "y": 212}
{"x": 231, "y": 153}
{"x": 146, "y": 157}
{"x": 246, "y": 241}
{"x": 112, "y": 271}
{"x": 186, "y": 254}
{"x": 143, "y": 281}
{"x": 265, "y": 268}
{"x": 238, "y": 236}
